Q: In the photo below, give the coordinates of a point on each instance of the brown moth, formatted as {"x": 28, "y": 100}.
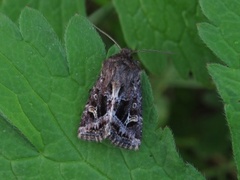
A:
{"x": 114, "y": 108}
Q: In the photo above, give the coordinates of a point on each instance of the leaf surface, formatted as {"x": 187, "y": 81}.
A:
{"x": 222, "y": 37}
{"x": 168, "y": 26}
{"x": 43, "y": 90}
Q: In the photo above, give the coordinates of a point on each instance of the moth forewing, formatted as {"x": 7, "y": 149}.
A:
{"x": 114, "y": 108}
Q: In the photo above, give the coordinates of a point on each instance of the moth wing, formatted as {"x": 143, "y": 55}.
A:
{"x": 126, "y": 125}
{"x": 94, "y": 124}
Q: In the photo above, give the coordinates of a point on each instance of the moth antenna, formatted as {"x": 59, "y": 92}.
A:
{"x": 152, "y": 50}
{"x": 107, "y": 36}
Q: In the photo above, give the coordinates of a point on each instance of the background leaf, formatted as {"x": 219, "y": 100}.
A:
{"x": 57, "y": 13}
{"x": 222, "y": 36}
{"x": 168, "y": 26}
{"x": 48, "y": 85}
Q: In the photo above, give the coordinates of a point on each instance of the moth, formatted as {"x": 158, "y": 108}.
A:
{"x": 114, "y": 107}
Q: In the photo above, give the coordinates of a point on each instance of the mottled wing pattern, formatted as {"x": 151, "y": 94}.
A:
{"x": 126, "y": 122}
{"x": 93, "y": 126}
{"x": 114, "y": 109}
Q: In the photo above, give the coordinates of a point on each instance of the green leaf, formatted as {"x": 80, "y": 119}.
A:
{"x": 167, "y": 26}
{"x": 222, "y": 37}
{"x": 228, "y": 84}
{"x": 113, "y": 50}
{"x": 57, "y": 13}
{"x": 43, "y": 90}
{"x": 13, "y": 8}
